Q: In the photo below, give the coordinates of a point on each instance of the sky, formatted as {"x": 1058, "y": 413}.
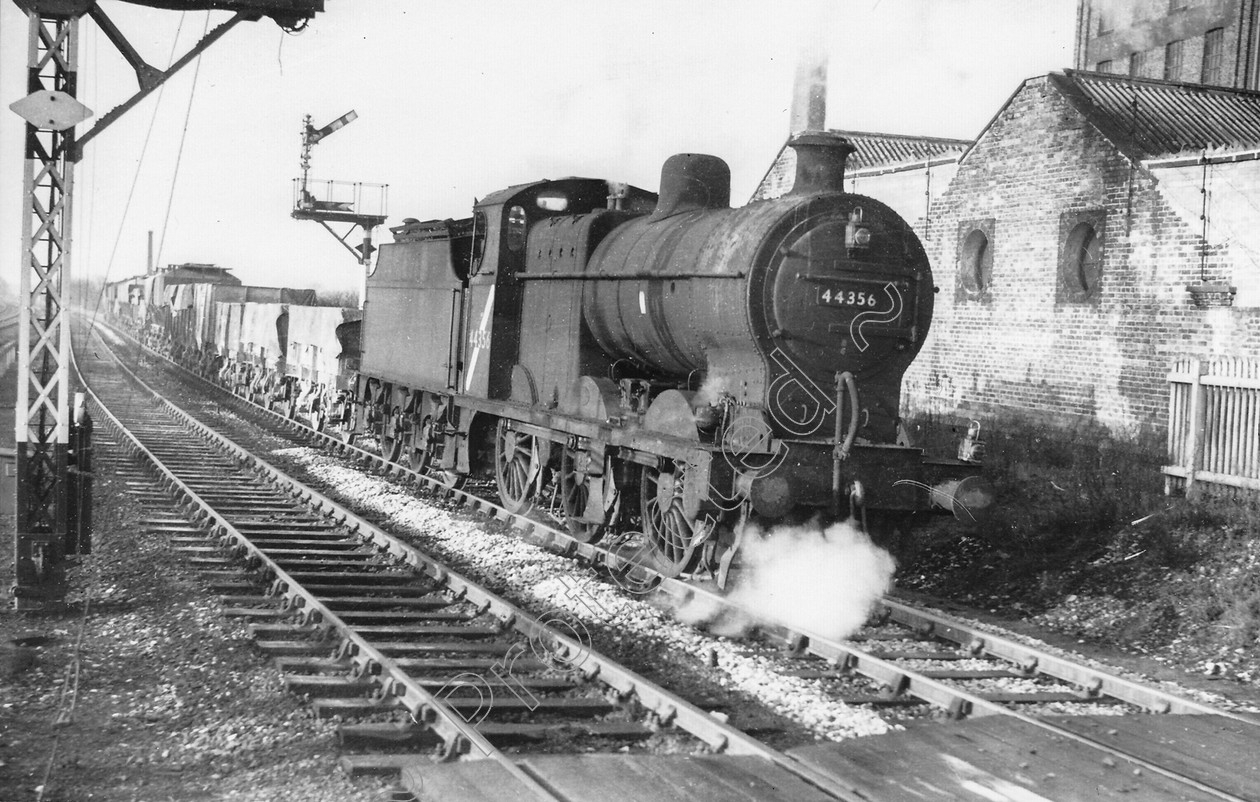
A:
{"x": 458, "y": 99}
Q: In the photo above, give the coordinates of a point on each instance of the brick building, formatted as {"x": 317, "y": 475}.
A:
{"x": 1064, "y": 241}
{"x": 1201, "y": 41}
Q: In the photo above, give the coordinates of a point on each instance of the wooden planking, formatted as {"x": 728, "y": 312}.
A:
{"x": 614, "y": 778}
{"x": 991, "y": 757}
{"x": 472, "y": 781}
{"x": 1220, "y": 752}
{"x": 669, "y": 778}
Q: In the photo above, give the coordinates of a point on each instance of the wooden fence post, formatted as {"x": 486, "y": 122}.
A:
{"x": 1197, "y": 425}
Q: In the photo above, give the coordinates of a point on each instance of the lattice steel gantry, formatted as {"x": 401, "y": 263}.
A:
{"x": 51, "y": 112}
{"x": 42, "y": 410}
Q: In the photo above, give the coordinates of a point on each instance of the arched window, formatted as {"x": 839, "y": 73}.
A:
{"x": 975, "y": 260}
{"x": 1081, "y": 256}
{"x": 1086, "y": 254}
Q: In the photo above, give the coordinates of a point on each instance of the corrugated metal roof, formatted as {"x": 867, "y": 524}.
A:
{"x": 1150, "y": 118}
{"x": 879, "y": 150}
{"x": 873, "y": 151}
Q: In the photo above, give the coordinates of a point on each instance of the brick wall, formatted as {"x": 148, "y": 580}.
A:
{"x": 1021, "y": 347}
{"x": 1148, "y": 25}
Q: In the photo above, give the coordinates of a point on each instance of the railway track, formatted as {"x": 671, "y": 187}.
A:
{"x": 913, "y": 658}
{"x": 472, "y": 673}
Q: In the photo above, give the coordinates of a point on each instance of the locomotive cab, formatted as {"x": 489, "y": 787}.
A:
{"x": 522, "y": 242}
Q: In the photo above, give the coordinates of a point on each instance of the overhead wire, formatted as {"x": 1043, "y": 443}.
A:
{"x": 170, "y": 198}
{"x": 93, "y": 43}
{"x": 135, "y": 180}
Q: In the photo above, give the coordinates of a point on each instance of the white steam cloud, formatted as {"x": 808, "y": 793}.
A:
{"x": 824, "y": 581}
{"x": 711, "y": 389}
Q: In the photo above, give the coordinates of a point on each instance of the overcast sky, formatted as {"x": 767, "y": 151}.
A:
{"x": 458, "y": 99}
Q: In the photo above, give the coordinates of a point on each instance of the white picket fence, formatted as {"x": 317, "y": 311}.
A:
{"x": 1213, "y": 424}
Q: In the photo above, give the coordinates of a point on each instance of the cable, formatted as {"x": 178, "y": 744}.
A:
{"x": 170, "y": 198}
{"x": 69, "y": 697}
{"x": 94, "y": 42}
{"x": 109, "y": 266}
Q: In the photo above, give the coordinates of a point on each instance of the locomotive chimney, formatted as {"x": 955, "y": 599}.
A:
{"x": 820, "y": 160}
{"x": 691, "y": 181}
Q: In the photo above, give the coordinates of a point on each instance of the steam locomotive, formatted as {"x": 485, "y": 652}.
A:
{"x": 659, "y": 363}
{"x": 662, "y": 362}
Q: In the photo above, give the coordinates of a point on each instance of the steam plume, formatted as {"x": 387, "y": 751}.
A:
{"x": 711, "y": 389}
{"x": 823, "y": 581}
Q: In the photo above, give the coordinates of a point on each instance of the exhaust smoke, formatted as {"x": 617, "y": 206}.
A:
{"x": 823, "y": 581}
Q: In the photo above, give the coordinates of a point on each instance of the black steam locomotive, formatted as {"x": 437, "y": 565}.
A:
{"x": 666, "y": 362}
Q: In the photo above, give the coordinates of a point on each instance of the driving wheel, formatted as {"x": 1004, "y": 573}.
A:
{"x": 515, "y": 466}
{"x": 667, "y": 526}
{"x": 576, "y": 484}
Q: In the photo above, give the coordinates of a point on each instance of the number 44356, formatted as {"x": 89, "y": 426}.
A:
{"x": 849, "y": 298}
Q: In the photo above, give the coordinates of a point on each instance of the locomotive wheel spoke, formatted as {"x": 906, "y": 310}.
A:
{"x": 420, "y": 455}
{"x": 392, "y": 437}
{"x": 515, "y": 464}
{"x": 345, "y": 430}
{"x": 418, "y": 460}
{"x": 391, "y": 448}
{"x": 575, "y": 491}
{"x": 666, "y": 525}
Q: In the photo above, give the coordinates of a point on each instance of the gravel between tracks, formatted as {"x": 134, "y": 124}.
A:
{"x": 173, "y": 701}
{"x": 533, "y": 576}
{"x": 538, "y": 579}
{"x": 622, "y": 626}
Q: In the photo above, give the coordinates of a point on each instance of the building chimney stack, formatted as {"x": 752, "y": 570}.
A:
{"x": 809, "y": 94}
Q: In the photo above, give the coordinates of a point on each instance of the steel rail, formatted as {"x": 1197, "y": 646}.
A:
{"x": 1030, "y": 660}
{"x": 669, "y": 708}
{"x": 426, "y": 708}
{"x": 841, "y": 654}
{"x": 900, "y": 680}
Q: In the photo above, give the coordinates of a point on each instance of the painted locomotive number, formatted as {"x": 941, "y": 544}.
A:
{"x": 842, "y": 297}
{"x": 479, "y": 338}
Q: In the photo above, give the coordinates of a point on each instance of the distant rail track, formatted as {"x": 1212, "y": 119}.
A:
{"x": 9, "y": 321}
{"x": 402, "y": 625}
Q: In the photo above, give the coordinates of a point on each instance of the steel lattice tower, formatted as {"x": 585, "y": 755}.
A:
{"x": 42, "y": 411}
